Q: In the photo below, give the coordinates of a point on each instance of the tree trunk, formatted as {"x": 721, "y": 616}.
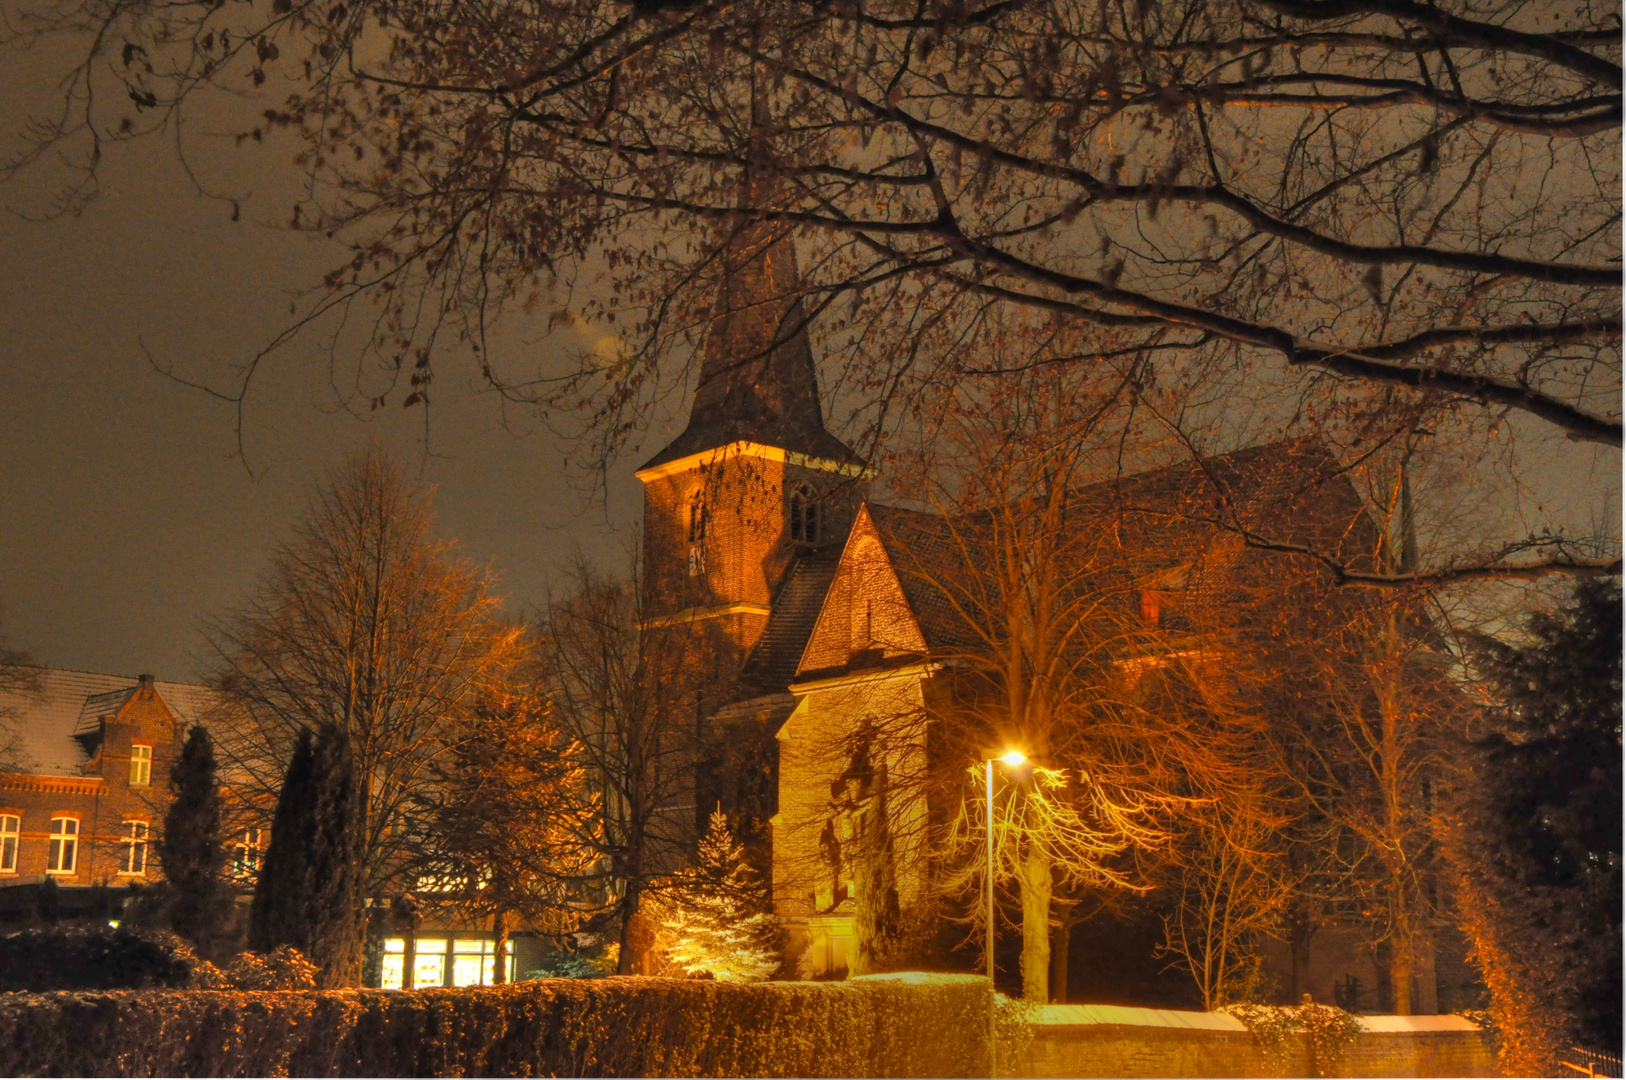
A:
{"x": 1034, "y": 879}
{"x": 499, "y": 973}
{"x": 1298, "y": 946}
{"x": 1060, "y": 953}
{"x": 1400, "y": 972}
{"x": 409, "y": 958}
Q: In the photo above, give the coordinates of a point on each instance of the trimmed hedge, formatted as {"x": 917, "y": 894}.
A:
{"x": 912, "y": 1025}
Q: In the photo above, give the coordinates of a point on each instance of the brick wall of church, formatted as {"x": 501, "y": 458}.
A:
{"x": 746, "y": 548}
{"x": 866, "y": 618}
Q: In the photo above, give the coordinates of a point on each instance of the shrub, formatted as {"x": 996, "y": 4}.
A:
{"x": 563, "y": 965}
{"x": 1328, "y": 1030}
{"x": 99, "y": 957}
{"x": 283, "y": 968}
{"x": 913, "y": 1025}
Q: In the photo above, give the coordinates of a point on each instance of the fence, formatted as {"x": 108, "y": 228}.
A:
{"x": 1593, "y": 1062}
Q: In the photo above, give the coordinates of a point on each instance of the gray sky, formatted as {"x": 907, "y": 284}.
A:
{"x": 125, "y": 515}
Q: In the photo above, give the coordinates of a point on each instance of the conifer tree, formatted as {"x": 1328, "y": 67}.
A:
{"x": 719, "y": 923}
{"x": 197, "y": 903}
{"x": 309, "y": 894}
{"x": 277, "y": 916}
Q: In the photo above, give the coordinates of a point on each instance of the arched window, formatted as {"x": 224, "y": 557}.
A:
{"x": 697, "y": 517}
{"x": 804, "y": 515}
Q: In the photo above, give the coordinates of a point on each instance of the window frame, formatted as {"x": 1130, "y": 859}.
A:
{"x": 129, "y": 842}
{"x": 61, "y": 843}
{"x": 11, "y": 839}
{"x": 806, "y": 519}
{"x": 141, "y": 764}
{"x": 697, "y": 517}
{"x": 245, "y": 854}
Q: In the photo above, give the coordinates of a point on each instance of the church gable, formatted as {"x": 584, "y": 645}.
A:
{"x": 866, "y": 619}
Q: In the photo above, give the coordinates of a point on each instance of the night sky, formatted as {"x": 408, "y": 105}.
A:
{"x": 126, "y": 514}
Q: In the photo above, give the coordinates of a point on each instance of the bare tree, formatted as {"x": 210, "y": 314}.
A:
{"x": 630, "y": 702}
{"x": 1035, "y": 584}
{"x": 1359, "y": 688}
{"x": 498, "y": 828}
{"x": 365, "y": 622}
{"x": 1345, "y": 212}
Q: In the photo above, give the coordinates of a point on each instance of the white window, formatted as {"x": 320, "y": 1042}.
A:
{"x": 133, "y": 859}
{"x": 10, "y": 829}
{"x": 63, "y": 856}
{"x": 245, "y": 856}
{"x": 140, "y": 765}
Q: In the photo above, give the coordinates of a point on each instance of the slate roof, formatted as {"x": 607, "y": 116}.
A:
{"x": 1291, "y": 491}
{"x": 757, "y": 378}
{"x": 71, "y": 703}
{"x": 772, "y": 663}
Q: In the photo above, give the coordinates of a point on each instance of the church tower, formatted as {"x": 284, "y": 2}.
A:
{"x": 754, "y": 482}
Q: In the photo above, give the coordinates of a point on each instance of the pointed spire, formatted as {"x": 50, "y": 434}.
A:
{"x": 757, "y": 377}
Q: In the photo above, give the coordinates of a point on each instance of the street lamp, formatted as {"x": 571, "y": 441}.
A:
{"x": 1011, "y": 758}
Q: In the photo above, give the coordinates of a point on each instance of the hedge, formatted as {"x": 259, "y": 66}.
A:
{"x": 98, "y": 957}
{"x": 912, "y": 1025}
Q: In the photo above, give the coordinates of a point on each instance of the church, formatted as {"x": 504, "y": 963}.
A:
{"x": 816, "y": 612}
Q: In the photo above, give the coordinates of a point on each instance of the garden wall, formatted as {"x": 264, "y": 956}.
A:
{"x": 915, "y": 1025}
{"x": 1112, "y": 1041}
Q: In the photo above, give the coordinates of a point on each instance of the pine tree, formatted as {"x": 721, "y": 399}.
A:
{"x": 278, "y": 914}
{"x": 197, "y": 903}
{"x": 1538, "y": 845}
{"x": 719, "y": 924}
{"x": 309, "y": 894}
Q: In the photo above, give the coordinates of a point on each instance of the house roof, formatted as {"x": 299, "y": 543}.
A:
{"x": 757, "y": 378}
{"x": 72, "y": 703}
{"x": 1290, "y": 491}
{"x": 773, "y": 661}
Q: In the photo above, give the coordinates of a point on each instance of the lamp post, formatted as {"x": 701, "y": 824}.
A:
{"x": 1011, "y": 758}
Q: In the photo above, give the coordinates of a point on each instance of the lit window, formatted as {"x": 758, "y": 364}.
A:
{"x": 10, "y": 828}
{"x": 133, "y": 859}
{"x": 63, "y": 856}
{"x": 429, "y": 965}
{"x": 697, "y": 517}
{"x": 1150, "y": 609}
{"x": 140, "y": 765}
{"x": 804, "y": 516}
{"x": 393, "y": 971}
{"x": 245, "y": 856}
{"x": 474, "y": 962}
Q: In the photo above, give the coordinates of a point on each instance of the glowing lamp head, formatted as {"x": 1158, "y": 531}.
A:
{"x": 1015, "y": 757}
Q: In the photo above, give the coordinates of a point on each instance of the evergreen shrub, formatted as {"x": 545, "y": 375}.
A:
{"x": 99, "y": 957}
{"x": 915, "y": 1025}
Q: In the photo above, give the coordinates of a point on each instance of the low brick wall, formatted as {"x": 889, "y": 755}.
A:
{"x": 1109, "y": 1040}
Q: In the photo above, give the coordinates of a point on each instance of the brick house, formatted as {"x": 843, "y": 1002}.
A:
{"x": 85, "y": 781}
